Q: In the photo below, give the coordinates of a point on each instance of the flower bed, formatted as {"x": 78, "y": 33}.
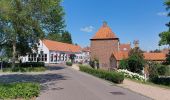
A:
{"x": 132, "y": 75}
{"x": 19, "y": 91}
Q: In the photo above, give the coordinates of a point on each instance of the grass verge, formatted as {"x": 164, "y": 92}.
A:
{"x": 26, "y": 69}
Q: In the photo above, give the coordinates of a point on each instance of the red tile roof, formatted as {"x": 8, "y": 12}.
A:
{"x": 86, "y": 49}
{"x": 105, "y": 32}
{"x": 147, "y": 56}
{"x": 165, "y": 51}
{"x": 155, "y": 56}
{"x": 125, "y": 47}
{"x": 120, "y": 55}
{"x": 59, "y": 46}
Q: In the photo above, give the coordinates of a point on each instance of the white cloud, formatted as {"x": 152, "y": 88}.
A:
{"x": 87, "y": 29}
{"x": 162, "y": 13}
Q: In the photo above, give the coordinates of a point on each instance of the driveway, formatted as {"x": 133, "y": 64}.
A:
{"x": 75, "y": 85}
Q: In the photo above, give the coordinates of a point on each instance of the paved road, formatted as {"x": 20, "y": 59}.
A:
{"x": 75, "y": 85}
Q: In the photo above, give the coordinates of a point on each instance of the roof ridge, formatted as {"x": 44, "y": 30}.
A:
{"x": 105, "y": 32}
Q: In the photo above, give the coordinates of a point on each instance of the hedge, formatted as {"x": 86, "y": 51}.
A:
{"x": 161, "y": 80}
{"x": 27, "y": 64}
{"x": 114, "y": 77}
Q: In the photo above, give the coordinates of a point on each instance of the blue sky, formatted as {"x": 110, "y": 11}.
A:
{"x": 131, "y": 20}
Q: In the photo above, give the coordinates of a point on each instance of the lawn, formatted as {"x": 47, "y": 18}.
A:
{"x": 19, "y": 90}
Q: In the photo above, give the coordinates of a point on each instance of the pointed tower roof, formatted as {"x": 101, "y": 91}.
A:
{"x": 104, "y": 32}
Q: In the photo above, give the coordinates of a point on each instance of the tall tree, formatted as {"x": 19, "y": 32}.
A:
{"x": 24, "y": 22}
{"x": 165, "y": 36}
{"x": 66, "y": 37}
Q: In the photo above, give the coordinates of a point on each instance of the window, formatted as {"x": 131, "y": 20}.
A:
{"x": 45, "y": 57}
{"x": 51, "y": 57}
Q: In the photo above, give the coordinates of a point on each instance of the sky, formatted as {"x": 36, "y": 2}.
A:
{"x": 130, "y": 20}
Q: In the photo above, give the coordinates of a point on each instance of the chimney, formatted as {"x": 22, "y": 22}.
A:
{"x": 136, "y": 43}
{"x": 104, "y": 24}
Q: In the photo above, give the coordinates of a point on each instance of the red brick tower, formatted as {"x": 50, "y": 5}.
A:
{"x": 103, "y": 44}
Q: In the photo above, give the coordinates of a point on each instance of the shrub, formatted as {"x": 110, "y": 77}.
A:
{"x": 32, "y": 64}
{"x": 153, "y": 70}
{"x": 162, "y": 70}
{"x": 161, "y": 80}
{"x": 107, "y": 75}
{"x": 26, "y": 69}
{"x": 123, "y": 64}
{"x": 19, "y": 90}
{"x": 69, "y": 63}
{"x": 26, "y": 64}
{"x": 135, "y": 63}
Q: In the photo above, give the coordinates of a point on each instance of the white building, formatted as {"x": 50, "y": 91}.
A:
{"x": 55, "y": 52}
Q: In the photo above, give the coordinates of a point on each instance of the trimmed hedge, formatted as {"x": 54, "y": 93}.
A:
{"x": 19, "y": 90}
{"x": 114, "y": 77}
{"x": 25, "y": 69}
{"x": 161, "y": 80}
{"x": 69, "y": 63}
{"x": 27, "y": 64}
{"x": 32, "y": 64}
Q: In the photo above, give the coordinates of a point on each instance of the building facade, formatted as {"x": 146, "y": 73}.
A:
{"x": 106, "y": 48}
{"x": 54, "y": 52}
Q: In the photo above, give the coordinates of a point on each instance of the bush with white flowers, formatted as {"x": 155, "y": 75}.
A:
{"x": 132, "y": 75}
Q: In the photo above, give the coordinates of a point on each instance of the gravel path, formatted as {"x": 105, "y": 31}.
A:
{"x": 154, "y": 92}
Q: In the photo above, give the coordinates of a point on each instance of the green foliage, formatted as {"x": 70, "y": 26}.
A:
{"x": 54, "y": 37}
{"x": 32, "y": 64}
{"x": 24, "y": 22}
{"x": 107, "y": 75}
{"x": 162, "y": 80}
{"x": 27, "y": 64}
{"x": 69, "y": 63}
{"x": 136, "y": 61}
{"x": 19, "y": 90}
{"x": 153, "y": 70}
{"x": 167, "y": 59}
{"x": 124, "y": 64}
{"x": 66, "y": 37}
{"x": 26, "y": 69}
{"x": 136, "y": 64}
{"x": 165, "y": 38}
{"x": 162, "y": 70}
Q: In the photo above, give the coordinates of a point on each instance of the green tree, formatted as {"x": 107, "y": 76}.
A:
{"x": 136, "y": 60}
{"x": 165, "y": 36}
{"x": 24, "y": 22}
{"x": 54, "y": 37}
{"x": 124, "y": 64}
{"x": 66, "y": 37}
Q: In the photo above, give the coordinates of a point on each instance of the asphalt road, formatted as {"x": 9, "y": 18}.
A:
{"x": 75, "y": 85}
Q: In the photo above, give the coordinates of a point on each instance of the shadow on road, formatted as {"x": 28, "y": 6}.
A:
{"x": 40, "y": 78}
{"x": 47, "y": 80}
{"x": 53, "y": 68}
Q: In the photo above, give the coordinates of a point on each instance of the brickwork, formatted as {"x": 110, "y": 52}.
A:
{"x": 103, "y": 50}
